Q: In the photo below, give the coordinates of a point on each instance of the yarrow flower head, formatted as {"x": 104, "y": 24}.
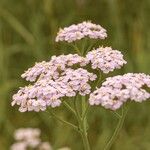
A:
{"x": 29, "y": 138}
{"x": 78, "y": 80}
{"x": 106, "y": 59}
{"x": 118, "y": 89}
{"x": 81, "y": 30}
{"x": 52, "y": 68}
{"x": 64, "y": 76}
{"x": 38, "y": 96}
{"x": 47, "y": 92}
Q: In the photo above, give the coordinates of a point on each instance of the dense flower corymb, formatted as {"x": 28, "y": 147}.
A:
{"x": 78, "y": 80}
{"x": 106, "y": 59}
{"x": 117, "y": 90}
{"x": 38, "y": 96}
{"x": 52, "y": 68}
{"x": 81, "y": 30}
{"x": 46, "y": 92}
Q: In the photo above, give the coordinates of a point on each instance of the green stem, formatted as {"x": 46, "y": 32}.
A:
{"x": 69, "y": 107}
{"x": 116, "y": 114}
{"x": 83, "y": 105}
{"x": 86, "y": 111}
{"x": 82, "y": 119}
{"x": 89, "y": 48}
{"x": 82, "y": 124}
{"x": 117, "y": 130}
{"x": 99, "y": 79}
{"x": 63, "y": 121}
{"x": 76, "y": 109}
{"x": 85, "y": 138}
{"x": 77, "y": 50}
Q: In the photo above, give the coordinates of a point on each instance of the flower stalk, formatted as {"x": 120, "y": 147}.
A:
{"x": 117, "y": 130}
{"x": 85, "y": 138}
{"x": 82, "y": 123}
{"x": 84, "y": 133}
{"x": 52, "y": 114}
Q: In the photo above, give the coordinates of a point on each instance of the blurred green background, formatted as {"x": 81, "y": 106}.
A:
{"x": 27, "y": 32}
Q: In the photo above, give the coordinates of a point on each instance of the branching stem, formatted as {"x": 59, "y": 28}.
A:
{"x": 63, "y": 121}
{"x": 117, "y": 130}
{"x": 69, "y": 107}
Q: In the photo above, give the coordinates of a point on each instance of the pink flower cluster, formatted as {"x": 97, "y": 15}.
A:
{"x": 106, "y": 59}
{"x": 118, "y": 89}
{"x": 52, "y": 68}
{"x": 59, "y": 78}
{"x": 55, "y": 79}
{"x": 38, "y": 96}
{"x": 29, "y": 138}
{"x": 45, "y": 92}
{"x": 77, "y": 80}
{"x": 81, "y": 30}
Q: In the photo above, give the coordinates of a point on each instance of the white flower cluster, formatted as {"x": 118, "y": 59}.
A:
{"x": 77, "y": 80}
{"x": 45, "y": 92}
{"x": 106, "y": 59}
{"x": 29, "y": 138}
{"x": 52, "y": 68}
{"x": 81, "y": 30}
{"x": 117, "y": 90}
{"x": 32, "y": 73}
{"x": 38, "y": 96}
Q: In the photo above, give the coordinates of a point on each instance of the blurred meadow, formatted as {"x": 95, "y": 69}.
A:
{"x": 27, "y": 35}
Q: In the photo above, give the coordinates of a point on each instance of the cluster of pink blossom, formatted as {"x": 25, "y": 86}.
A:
{"x": 77, "y": 80}
{"x": 106, "y": 59}
{"x": 118, "y": 89}
{"x": 38, "y": 96}
{"x": 45, "y": 92}
{"x": 32, "y": 73}
{"x": 58, "y": 77}
{"x": 29, "y": 138}
{"x": 81, "y": 30}
{"x": 52, "y": 68}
